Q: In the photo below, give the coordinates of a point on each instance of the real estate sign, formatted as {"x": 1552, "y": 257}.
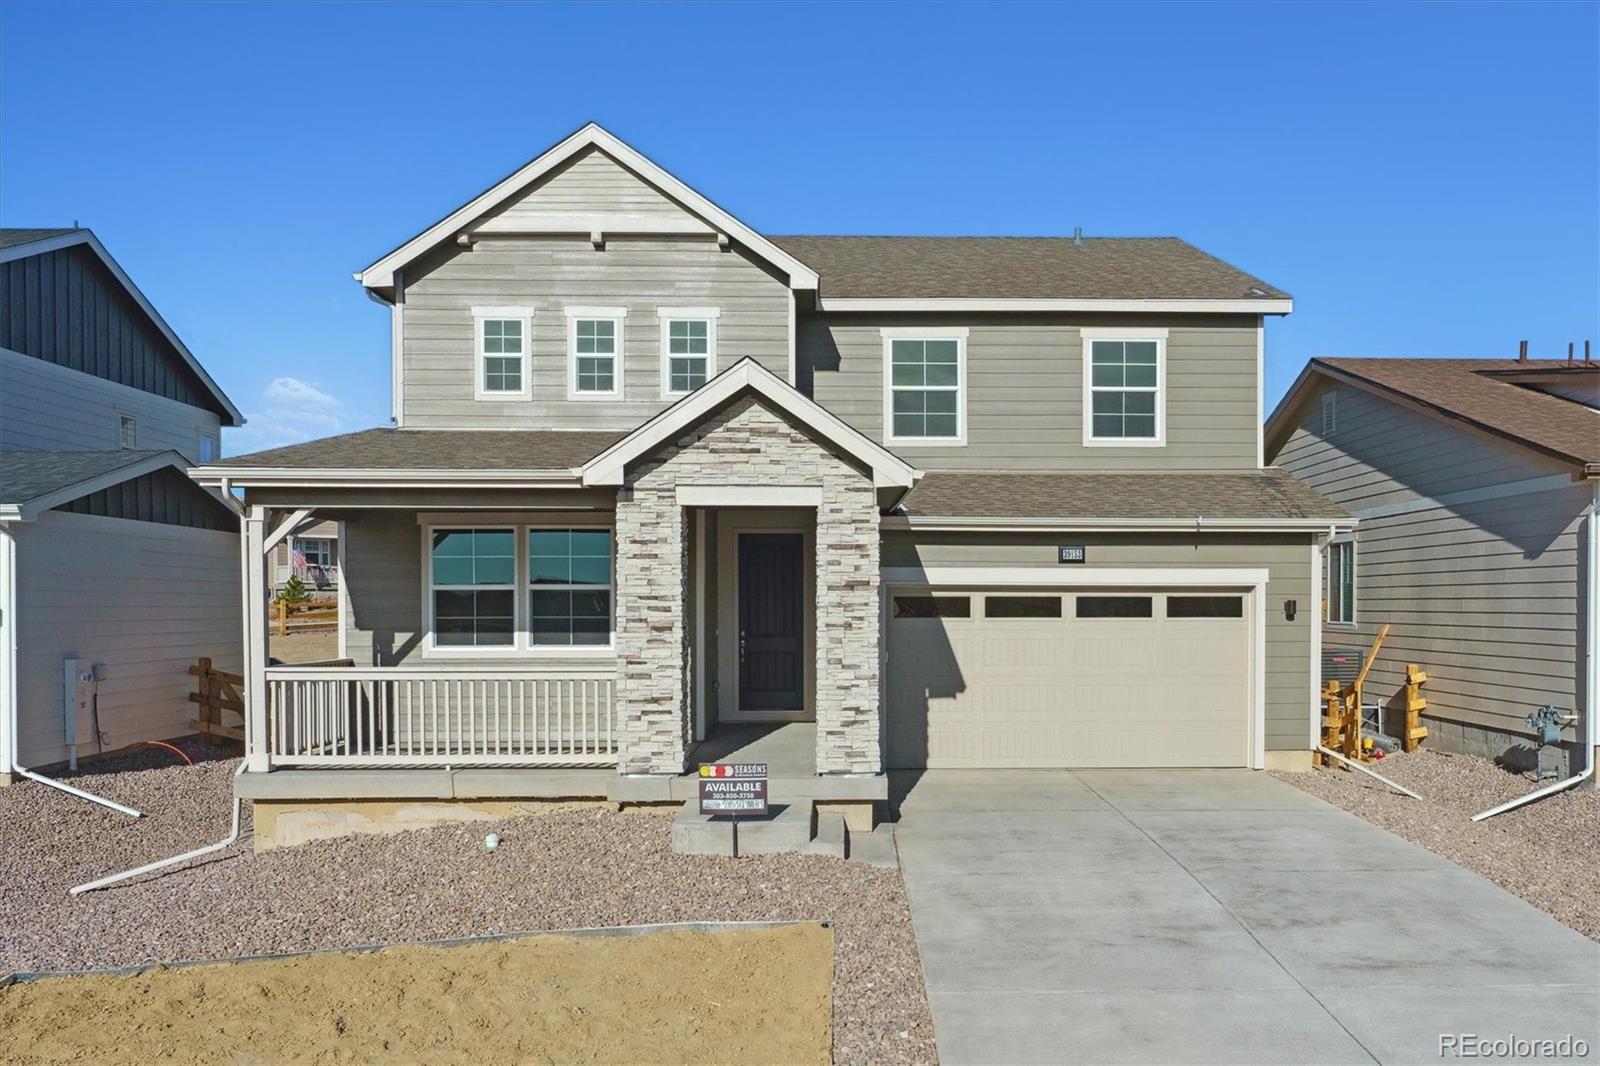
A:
{"x": 733, "y": 788}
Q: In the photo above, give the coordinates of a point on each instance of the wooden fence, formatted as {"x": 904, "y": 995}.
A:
{"x": 217, "y": 692}
{"x": 300, "y": 617}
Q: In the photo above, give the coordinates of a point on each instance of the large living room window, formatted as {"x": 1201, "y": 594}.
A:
{"x": 594, "y": 342}
{"x": 1124, "y": 378}
{"x": 472, "y": 587}
{"x": 504, "y": 338}
{"x": 688, "y": 348}
{"x": 925, "y": 386}
{"x": 569, "y": 579}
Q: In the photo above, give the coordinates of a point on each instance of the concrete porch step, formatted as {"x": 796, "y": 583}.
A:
{"x": 786, "y": 828}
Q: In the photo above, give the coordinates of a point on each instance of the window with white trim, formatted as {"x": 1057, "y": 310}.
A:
{"x": 504, "y": 341}
{"x": 688, "y": 349}
{"x": 1124, "y": 389}
{"x": 208, "y": 449}
{"x": 595, "y": 360}
{"x": 127, "y": 431}
{"x": 317, "y": 551}
{"x": 473, "y": 587}
{"x": 925, "y": 391}
{"x": 569, "y": 587}
{"x": 1340, "y": 591}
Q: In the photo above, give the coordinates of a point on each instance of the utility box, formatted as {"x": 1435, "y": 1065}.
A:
{"x": 79, "y": 688}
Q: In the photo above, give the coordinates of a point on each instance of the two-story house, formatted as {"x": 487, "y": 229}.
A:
{"x": 116, "y": 571}
{"x": 661, "y": 488}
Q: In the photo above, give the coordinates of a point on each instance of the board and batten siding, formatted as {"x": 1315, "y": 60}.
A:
{"x": 1286, "y": 558}
{"x": 1024, "y": 389}
{"x": 143, "y": 601}
{"x": 45, "y": 407}
{"x": 1485, "y": 595}
{"x": 382, "y": 579}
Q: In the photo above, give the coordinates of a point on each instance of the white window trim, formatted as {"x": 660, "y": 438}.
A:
{"x": 522, "y": 646}
{"x": 125, "y": 422}
{"x": 618, "y": 315}
{"x": 1089, "y": 336}
{"x": 562, "y": 651}
{"x": 431, "y": 647}
{"x": 925, "y": 333}
{"x": 669, "y": 315}
{"x": 299, "y": 544}
{"x": 480, "y": 315}
{"x": 1332, "y": 590}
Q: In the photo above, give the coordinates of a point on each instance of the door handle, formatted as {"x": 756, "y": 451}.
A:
{"x": 741, "y": 645}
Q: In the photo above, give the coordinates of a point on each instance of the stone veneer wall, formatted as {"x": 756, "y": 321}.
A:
{"x": 744, "y": 444}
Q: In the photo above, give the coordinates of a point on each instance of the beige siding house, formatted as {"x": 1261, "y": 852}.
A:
{"x": 663, "y": 490}
{"x": 1475, "y": 483}
{"x": 117, "y": 572}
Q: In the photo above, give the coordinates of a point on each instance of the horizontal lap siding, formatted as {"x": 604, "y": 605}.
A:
{"x": 44, "y": 407}
{"x": 1287, "y": 560}
{"x": 1025, "y": 390}
{"x": 1484, "y": 595}
{"x": 143, "y": 600}
{"x": 592, "y": 184}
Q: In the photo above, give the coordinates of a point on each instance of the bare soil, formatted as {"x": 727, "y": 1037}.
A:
{"x": 553, "y": 871}
{"x": 751, "y": 995}
{"x": 1545, "y": 852}
{"x": 304, "y": 647}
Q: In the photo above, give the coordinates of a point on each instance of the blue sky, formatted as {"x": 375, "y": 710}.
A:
{"x": 1423, "y": 178}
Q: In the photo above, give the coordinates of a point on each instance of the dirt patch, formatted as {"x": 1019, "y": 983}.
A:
{"x": 552, "y": 871}
{"x": 308, "y": 647}
{"x": 1544, "y": 852}
{"x": 649, "y": 997}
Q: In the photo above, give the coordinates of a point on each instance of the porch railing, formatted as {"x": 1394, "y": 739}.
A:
{"x": 342, "y": 716}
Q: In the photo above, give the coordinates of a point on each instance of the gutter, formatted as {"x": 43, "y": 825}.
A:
{"x": 1194, "y": 524}
{"x": 1591, "y": 676}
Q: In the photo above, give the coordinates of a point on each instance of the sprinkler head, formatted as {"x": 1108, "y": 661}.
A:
{"x": 491, "y": 842}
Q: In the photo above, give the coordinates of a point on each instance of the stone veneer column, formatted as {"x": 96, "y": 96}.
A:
{"x": 744, "y": 444}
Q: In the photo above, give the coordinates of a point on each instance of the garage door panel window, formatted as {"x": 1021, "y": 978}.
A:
{"x": 1022, "y": 607}
{"x": 933, "y": 607}
{"x": 1115, "y": 607}
{"x": 1205, "y": 606}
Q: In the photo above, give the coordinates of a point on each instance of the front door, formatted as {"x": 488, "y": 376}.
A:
{"x": 771, "y": 621}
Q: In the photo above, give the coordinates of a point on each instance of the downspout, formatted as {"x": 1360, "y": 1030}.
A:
{"x": 225, "y": 842}
{"x": 1591, "y": 674}
{"x": 8, "y": 577}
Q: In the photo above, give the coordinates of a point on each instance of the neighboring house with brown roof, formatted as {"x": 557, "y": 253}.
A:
{"x": 1476, "y": 483}
{"x": 110, "y": 557}
{"x": 659, "y": 484}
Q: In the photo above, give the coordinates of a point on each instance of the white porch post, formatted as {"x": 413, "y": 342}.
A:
{"x": 254, "y": 563}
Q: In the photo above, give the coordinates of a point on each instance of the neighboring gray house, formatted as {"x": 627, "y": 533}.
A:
{"x": 311, "y": 555}
{"x": 109, "y": 554}
{"x": 662, "y": 489}
{"x": 1476, "y": 483}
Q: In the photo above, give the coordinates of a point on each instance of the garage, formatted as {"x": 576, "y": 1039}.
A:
{"x": 1091, "y": 677}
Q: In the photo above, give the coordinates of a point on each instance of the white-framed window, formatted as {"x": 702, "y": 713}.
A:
{"x": 925, "y": 386}
{"x": 570, "y": 587}
{"x": 1124, "y": 387}
{"x": 503, "y": 337}
{"x": 594, "y": 346}
{"x": 317, "y": 551}
{"x": 688, "y": 348}
{"x": 127, "y": 431}
{"x": 472, "y": 587}
{"x": 208, "y": 448}
{"x": 1340, "y": 589}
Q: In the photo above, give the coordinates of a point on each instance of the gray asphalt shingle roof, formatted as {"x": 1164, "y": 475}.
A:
{"x": 437, "y": 449}
{"x": 10, "y": 238}
{"x": 1053, "y": 268}
{"x": 26, "y": 476}
{"x": 1261, "y": 494}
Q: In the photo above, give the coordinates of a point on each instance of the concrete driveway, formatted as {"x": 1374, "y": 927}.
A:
{"x": 1212, "y": 916}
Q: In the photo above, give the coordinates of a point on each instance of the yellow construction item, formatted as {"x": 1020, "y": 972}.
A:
{"x": 1413, "y": 704}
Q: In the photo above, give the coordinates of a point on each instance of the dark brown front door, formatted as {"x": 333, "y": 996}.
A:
{"x": 771, "y": 621}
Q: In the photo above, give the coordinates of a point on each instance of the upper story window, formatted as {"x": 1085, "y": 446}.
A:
{"x": 127, "y": 431}
{"x": 1124, "y": 385}
{"x": 504, "y": 338}
{"x": 925, "y": 386}
{"x": 472, "y": 587}
{"x": 1340, "y": 594}
{"x": 688, "y": 348}
{"x": 594, "y": 341}
{"x": 208, "y": 448}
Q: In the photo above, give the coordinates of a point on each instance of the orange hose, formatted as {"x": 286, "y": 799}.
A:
{"x": 171, "y": 747}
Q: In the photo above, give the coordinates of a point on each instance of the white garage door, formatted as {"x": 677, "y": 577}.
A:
{"x": 1080, "y": 678}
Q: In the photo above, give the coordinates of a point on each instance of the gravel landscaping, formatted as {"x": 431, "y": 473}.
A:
{"x": 555, "y": 871}
{"x": 1545, "y": 852}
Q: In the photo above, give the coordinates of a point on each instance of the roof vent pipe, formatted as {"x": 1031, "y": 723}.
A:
{"x": 1077, "y": 236}
{"x": 1522, "y": 352}
{"x": 1570, "y": 349}
{"x": 1586, "y": 351}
